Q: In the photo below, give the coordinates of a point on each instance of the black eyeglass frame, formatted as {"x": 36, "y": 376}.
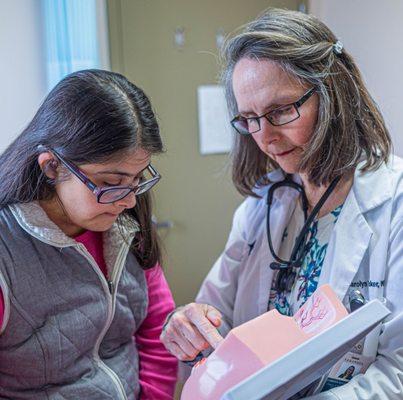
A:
{"x": 297, "y": 104}
{"x": 100, "y": 191}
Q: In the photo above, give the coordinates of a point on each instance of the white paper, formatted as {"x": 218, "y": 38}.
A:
{"x": 215, "y": 132}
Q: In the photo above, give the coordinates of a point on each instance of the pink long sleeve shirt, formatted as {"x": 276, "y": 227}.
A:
{"x": 158, "y": 369}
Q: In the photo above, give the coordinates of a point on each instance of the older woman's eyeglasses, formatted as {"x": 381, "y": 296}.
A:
{"x": 110, "y": 194}
{"x": 277, "y": 117}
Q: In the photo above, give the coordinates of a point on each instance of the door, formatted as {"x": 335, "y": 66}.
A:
{"x": 195, "y": 193}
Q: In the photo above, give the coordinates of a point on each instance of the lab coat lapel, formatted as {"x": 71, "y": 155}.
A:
{"x": 352, "y": 234}
{"x": 346, "y": 249}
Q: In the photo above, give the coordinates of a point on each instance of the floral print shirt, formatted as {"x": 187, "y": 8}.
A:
{"x": 307, "y": 276}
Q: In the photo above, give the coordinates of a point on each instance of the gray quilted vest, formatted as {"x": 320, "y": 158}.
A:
{"x": 67, "y": 332}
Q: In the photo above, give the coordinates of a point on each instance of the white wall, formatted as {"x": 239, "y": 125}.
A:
{"x": 372, "y": 31}
{"x": 22, "y": 66}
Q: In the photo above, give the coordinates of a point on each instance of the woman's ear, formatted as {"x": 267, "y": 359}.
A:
{"x": 48, "y": 164}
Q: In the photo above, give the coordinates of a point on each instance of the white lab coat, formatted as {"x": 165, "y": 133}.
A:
{"x": 365, "y": 250}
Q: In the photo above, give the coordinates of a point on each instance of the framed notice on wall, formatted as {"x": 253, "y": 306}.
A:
{"x": 215, "y": 132}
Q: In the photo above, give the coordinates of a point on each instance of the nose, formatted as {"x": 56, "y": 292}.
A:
{"x": 267, "y": 133}
{"x": 127, "y": 202}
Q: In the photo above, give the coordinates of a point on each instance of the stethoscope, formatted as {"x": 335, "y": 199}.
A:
{"x": 286, "y": 273}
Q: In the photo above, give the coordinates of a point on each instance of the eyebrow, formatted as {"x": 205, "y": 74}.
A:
{"x": 121, "y": 173}
{"x": 281, "y": 101}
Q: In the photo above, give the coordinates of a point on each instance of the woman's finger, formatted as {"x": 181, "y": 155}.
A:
{"x": 192, "y": 334}
{"x": 177, "y": 352}
{"x": 196, "y": 313}
{"x": 185, "y": 345}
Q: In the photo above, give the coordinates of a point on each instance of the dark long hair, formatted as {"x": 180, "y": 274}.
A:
{"x": 91, "y": 116}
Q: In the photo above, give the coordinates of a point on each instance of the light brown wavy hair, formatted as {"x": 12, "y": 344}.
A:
{"x": 350, "y": 127}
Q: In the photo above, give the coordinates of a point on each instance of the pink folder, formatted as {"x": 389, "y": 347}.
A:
{"x": 257, "y": 343}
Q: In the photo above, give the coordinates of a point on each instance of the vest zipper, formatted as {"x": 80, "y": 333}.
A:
{"x": 109, "y": 286}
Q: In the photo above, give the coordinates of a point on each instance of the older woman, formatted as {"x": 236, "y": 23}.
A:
{"x": 324, "y": 197}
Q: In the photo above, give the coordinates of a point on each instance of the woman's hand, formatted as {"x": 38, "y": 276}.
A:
{"x": 191, "y": 329}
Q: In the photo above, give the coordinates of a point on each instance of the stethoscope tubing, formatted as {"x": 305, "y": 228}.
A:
{"x": 296, "y": 254}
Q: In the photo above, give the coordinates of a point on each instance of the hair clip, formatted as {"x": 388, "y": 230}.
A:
{"x": 338, "y": 47}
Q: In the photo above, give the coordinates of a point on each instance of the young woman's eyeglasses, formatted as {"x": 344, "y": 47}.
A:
{"x": 110, "y": 194}
{"x": 277, "y": 117}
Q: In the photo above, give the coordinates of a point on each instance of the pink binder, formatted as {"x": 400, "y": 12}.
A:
{"x": 251, "y": 346}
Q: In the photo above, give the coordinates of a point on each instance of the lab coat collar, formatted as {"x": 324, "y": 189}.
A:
{"x": 346, "y": 248}
{"x": 372, "y": 189}
{"x": 275, "y": 176}
{"x": 352, "y": 233}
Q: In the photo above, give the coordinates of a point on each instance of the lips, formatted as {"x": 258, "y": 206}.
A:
{"x": 111, "y": 215}
{"x": 284, "y": 153}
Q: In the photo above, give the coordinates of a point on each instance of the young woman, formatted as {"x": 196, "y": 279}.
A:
{"x": 83, "y": 296}
{"x": 324, "y": 198}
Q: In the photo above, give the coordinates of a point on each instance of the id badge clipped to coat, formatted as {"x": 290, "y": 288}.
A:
{"x": 350, "y": 365}
{"x": 359, "y": 358}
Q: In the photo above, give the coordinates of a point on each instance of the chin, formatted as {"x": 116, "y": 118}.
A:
{"x": 100, "y": 226}
{"x": 289, "y": 169}
{"x": 104, "y": 227}
{"x": 290, "y": 163}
